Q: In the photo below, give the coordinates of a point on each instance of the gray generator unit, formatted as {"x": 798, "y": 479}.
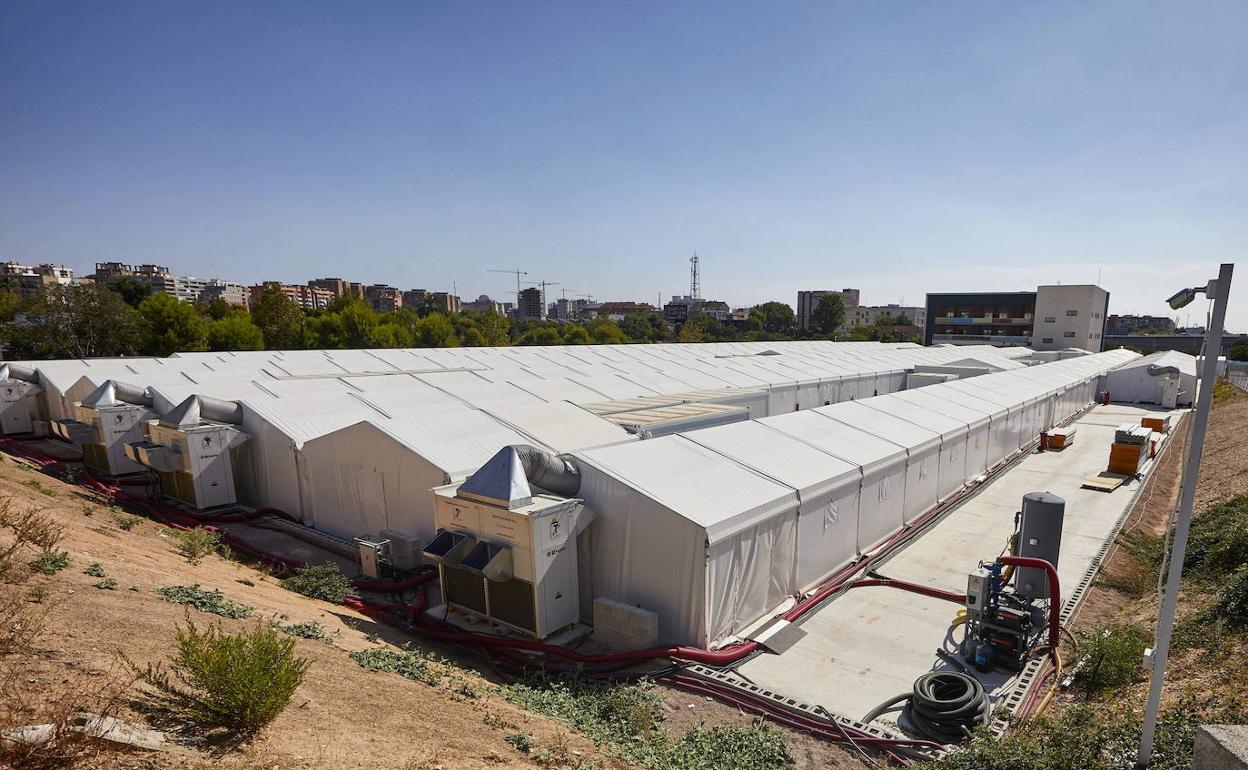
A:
{"x": 1039, "y": 537}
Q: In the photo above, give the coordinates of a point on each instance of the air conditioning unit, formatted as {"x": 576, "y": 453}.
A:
{"x": 17, "y": 407}
{"x": 191, "y": 457}
{"x": 103, "y": 427}
{"x": 506, "y": 553}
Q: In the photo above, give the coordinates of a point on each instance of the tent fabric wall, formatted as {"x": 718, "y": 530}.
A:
{"x": 922, "y": 448}
{"x": 881, "y": 499}
{"x": 952, "y": 471}
{"x": 827, "y": 489}
{"x": 677, "y": 509}
{"x": 1136, "y": 383}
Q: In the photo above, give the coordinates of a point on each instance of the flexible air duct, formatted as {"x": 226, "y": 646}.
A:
{"x": 548, "y": 470}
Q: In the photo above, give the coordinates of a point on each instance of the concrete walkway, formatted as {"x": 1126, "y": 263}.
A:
{"x": 872, "y": 643}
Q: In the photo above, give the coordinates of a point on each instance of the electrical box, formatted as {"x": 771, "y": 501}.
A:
{"x": 978, "y": 590}
{"x": 371, "y": 555}
{"x": 514, "y": 565}
{"x": 404, "y": 549}
{"x": 1040, "y": 537}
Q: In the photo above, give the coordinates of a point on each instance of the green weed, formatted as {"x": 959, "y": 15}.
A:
{"x": 50, "y": 561}
{"x": 320, "y": 581}
{"x": 94, "y": 570}
{"x": 627, "y": 720}
{"x": 1112, "y": 657}
{"x": 205, "y": 601}
{"x": 312, "y": 629}
{"x": 406, "y": 663}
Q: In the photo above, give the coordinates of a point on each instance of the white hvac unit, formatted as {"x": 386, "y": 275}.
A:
{"x": 190, "y": 456}
{"x": 103, "y": 427}
{"x": 507, "y": 553}
{"x": 17, "y": 407}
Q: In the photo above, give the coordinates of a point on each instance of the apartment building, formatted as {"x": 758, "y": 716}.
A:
{"x": 807, "y": 301}
{"x": 1070, "y": 316}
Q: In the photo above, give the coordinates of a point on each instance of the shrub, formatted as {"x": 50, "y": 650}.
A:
{"x": 50, "y": 561}
{"x": 405, "y": 663}
{"x": 1112, "y": 657}
{"x": 195, "y": 544}
{"x": 107, "y": 584}
{"x": 95, "y": 570}
{"x": 1230, "y": 606}
{"x": 521, "y": 741}
{"x": 1218, "y": 542}
{"x": 321, "y": 581}
{"x": 238, "y": 681}
{"x": 205, "y": 601}
{"x": 125, "y": 521}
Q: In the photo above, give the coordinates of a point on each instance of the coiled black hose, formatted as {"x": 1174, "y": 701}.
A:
{"x": 944, "y": 706}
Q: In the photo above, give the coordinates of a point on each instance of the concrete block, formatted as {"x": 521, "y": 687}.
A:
{"x": 1221, "y": 747}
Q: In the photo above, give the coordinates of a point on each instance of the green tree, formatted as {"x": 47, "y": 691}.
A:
{"x": 540, "y": 335}
{"x": 218, "y": 308}
{"x": 694, "y": 330}
{"x": 773, "y": 317}
{"x": 471, "y": 337}
{"x": 171, "y": 325}
{"x": 495, "y": 328}
{"x": 359, "y": 325}
{"x": 904, "y": 320}
{"x": 131, "y": 289}
{"x": 829, "y": 314}
{"x": 278, "y": 318}
{"x": 73, "y": 322}
{"x": 234, "y": 332}
{"x": 436, "y": 331}
{"x": 574, "y": 334}
{"x": 604, "y": 331}
{"x": 1238, "y": 351}
{"x": 645, "y": 327}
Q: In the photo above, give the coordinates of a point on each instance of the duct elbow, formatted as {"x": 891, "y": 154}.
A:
{"x": 545, "y": 469}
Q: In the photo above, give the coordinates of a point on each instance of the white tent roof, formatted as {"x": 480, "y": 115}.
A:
{"x": 836, "y": 438}
{"x": 777, "y": 455}
{"x": 717, "y": 494}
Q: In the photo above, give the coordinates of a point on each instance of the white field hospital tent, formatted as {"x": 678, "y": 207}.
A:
{"x": 689, "y": 534}
{"x": 827, "y": 490}
{"x": 1140, "y": 381}
{"x": 952, "y": 473}
{"x": 882, "y": 496}
{"x": 707, "y": 528}
{"x": 978, "y": 421}
{"x": 922, "y": 447}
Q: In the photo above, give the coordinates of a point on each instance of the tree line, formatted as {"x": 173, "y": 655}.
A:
{"x": 127, "y": 318}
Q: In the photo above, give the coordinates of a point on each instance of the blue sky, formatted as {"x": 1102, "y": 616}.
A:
{"x": 896, "y": 147}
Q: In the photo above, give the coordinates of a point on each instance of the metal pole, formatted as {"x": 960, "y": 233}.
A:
{"x": 1219, "y": 290}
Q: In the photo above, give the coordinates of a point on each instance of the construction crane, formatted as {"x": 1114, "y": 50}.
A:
{"x": 517, "y": 273}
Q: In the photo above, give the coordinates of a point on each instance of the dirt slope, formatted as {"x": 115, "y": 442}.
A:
{"x": 342, "y": 716}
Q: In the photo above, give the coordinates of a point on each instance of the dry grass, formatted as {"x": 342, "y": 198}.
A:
{"x": 25, "y": 607}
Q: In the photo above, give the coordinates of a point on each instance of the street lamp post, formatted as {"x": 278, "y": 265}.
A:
{"x": 1217, "y": 290}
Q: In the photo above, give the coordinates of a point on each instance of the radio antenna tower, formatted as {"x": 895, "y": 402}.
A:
{"x": 695, "y": 281}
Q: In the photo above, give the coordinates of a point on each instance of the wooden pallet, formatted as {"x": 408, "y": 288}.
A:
{"x": 1105, "y": 481}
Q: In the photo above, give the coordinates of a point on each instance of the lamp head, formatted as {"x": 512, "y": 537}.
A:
{"x": 1182, "y": 298}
